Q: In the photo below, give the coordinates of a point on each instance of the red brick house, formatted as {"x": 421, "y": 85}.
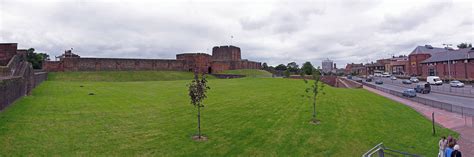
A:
{"x": 419, "y": 54}
{"x": 458, "y": 63}
{"x": 355, "y": 69}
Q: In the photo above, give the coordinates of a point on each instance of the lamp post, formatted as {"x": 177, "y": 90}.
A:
{"x": 449, "y": 67}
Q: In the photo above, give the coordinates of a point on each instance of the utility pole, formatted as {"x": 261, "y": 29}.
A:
{"x": 447, "y": 52}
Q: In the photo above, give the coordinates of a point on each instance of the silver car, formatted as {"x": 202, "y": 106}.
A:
{"x": 456, "y": 83}
{"x": 414, "y": 79}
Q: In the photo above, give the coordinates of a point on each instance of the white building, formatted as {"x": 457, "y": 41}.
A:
{"x": 327, "y": 66}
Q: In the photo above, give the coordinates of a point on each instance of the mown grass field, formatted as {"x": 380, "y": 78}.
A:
{"x": 121, "y": 76}
{"x": 242, "y": 117}
{"x": 249, "y": 72}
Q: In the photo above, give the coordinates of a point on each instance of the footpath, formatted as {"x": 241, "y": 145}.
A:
{"x": 461, "y": 124}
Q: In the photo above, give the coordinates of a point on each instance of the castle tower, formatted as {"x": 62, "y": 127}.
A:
{"x": 226, "y": 53}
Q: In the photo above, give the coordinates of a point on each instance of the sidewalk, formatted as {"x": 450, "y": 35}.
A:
{"x": 454, "y": 121}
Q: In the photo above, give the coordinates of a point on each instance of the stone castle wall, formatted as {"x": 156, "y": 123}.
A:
{"x": 116, "y": 64}
{"x": 8, "y": 50}
{"x": 222, "y": 58}
{"x": 226, "y": 53}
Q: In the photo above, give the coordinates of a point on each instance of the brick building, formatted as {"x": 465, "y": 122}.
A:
{"x": 356, "y": 69}
{"x": 399, "y": 65}
{"x": 459, "y": 64}
{"x": 222, "y": 58}
{"x": 419, "y": 54}
{"x": 376, "y": 67}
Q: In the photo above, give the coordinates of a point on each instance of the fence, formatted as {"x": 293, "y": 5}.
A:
{"x": 380, "y": 150}
{"x": 464, "y": 111}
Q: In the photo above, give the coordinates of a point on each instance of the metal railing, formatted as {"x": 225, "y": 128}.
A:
{"x": 381, "y": 151}
{"x": 464, "y": 111}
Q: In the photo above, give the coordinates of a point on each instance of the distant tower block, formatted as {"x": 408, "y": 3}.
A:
{"x": 226, "y": 53}
{"x": 335, "y": 66}
{"x": 327, "y": 65}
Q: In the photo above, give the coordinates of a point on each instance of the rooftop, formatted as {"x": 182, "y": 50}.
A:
{"x": 428, "y": 49}
{"x": 460, "y": 54}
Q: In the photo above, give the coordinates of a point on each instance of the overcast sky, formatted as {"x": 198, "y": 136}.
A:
{"x": 276, "y": 31}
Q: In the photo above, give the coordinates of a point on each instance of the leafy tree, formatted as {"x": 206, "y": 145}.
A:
{"x": 280, "y": 67}
{"x": 292, "y": 66}
{"x": 307, "y": 68}
{"x": 287, "y": 73}
{"x": 265, "y": 66}
{"x": 313, "y": 90}
{"x": 464, "y": 45}
{"x": 197, "y": 93}
{"x": 36, "y": 59}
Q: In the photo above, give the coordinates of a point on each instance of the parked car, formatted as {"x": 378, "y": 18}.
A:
{"x": 349, "y": 77}
{"x": 414, "y": 79}
{"x": 434, "y": 80}
{"x": 385, "y": 74}
{"x": 456, "y": 83}
{"x": 369, "y": 79}
{"x": 377, "y": 74}
{"x": 393, "y": 78}
{"x": 423, "y": 88}
{"x": 409, "y": 93}
{"x": 406, "y": 82}
{"x": 379, "y": 82}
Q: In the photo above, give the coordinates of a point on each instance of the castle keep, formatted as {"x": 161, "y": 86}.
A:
{"x": 222, "y": 58}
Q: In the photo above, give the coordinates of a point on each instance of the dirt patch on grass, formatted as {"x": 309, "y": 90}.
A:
{"x": 199, "y": 139}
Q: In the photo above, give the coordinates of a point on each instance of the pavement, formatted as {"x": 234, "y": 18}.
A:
{"x": 461, "y": 124}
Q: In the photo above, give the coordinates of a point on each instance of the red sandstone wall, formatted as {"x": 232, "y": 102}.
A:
{"x": 7, "y": 51}
{"x": 116, "y": 64}
{"x": 200, "y": 60}
{"x": 226, "y": 53}
{"x": 53, "y": 66}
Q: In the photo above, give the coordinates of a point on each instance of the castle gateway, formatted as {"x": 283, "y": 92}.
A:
{"x": 222, "y": 58}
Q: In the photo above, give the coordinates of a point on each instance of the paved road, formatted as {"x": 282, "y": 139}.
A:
{"x": 467, "y": 90}
{"x": 455, "y": 100}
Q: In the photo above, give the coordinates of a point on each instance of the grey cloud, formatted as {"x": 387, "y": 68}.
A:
{"x": 272, "y": 31}
{"x": 413, "y": 18}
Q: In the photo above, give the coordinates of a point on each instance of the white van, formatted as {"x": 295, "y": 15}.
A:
{"x": 434, "y": 80}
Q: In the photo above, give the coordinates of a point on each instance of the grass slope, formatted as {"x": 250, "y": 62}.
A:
{"x": 121, "y": 76}
{"x": 155, "y": 118}
{"x": 249, "y": 72}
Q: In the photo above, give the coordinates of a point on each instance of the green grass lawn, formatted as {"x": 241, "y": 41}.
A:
{"x": 249, "y": 72}
{"x": 121, "y": 76}
{"x": 242, "y": 117}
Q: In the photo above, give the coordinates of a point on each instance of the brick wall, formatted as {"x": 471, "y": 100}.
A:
{"x": 7, "y": 51}
{"x": 459, "y": 70}
{"x": 223, "y": 58}
{"x": 226, "y": 53}
{"x": 10, "y": 90}
{"x": 414, "y": 65}
{"x": 113, "y": 64}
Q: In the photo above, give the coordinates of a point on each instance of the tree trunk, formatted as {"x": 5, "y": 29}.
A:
{"x": 199, "y": 122}
{"x": 314, "y": 107}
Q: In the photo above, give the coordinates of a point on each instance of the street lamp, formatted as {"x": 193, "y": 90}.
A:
{"x": 449, "y": 67}
{"x": 447, "y": 52}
